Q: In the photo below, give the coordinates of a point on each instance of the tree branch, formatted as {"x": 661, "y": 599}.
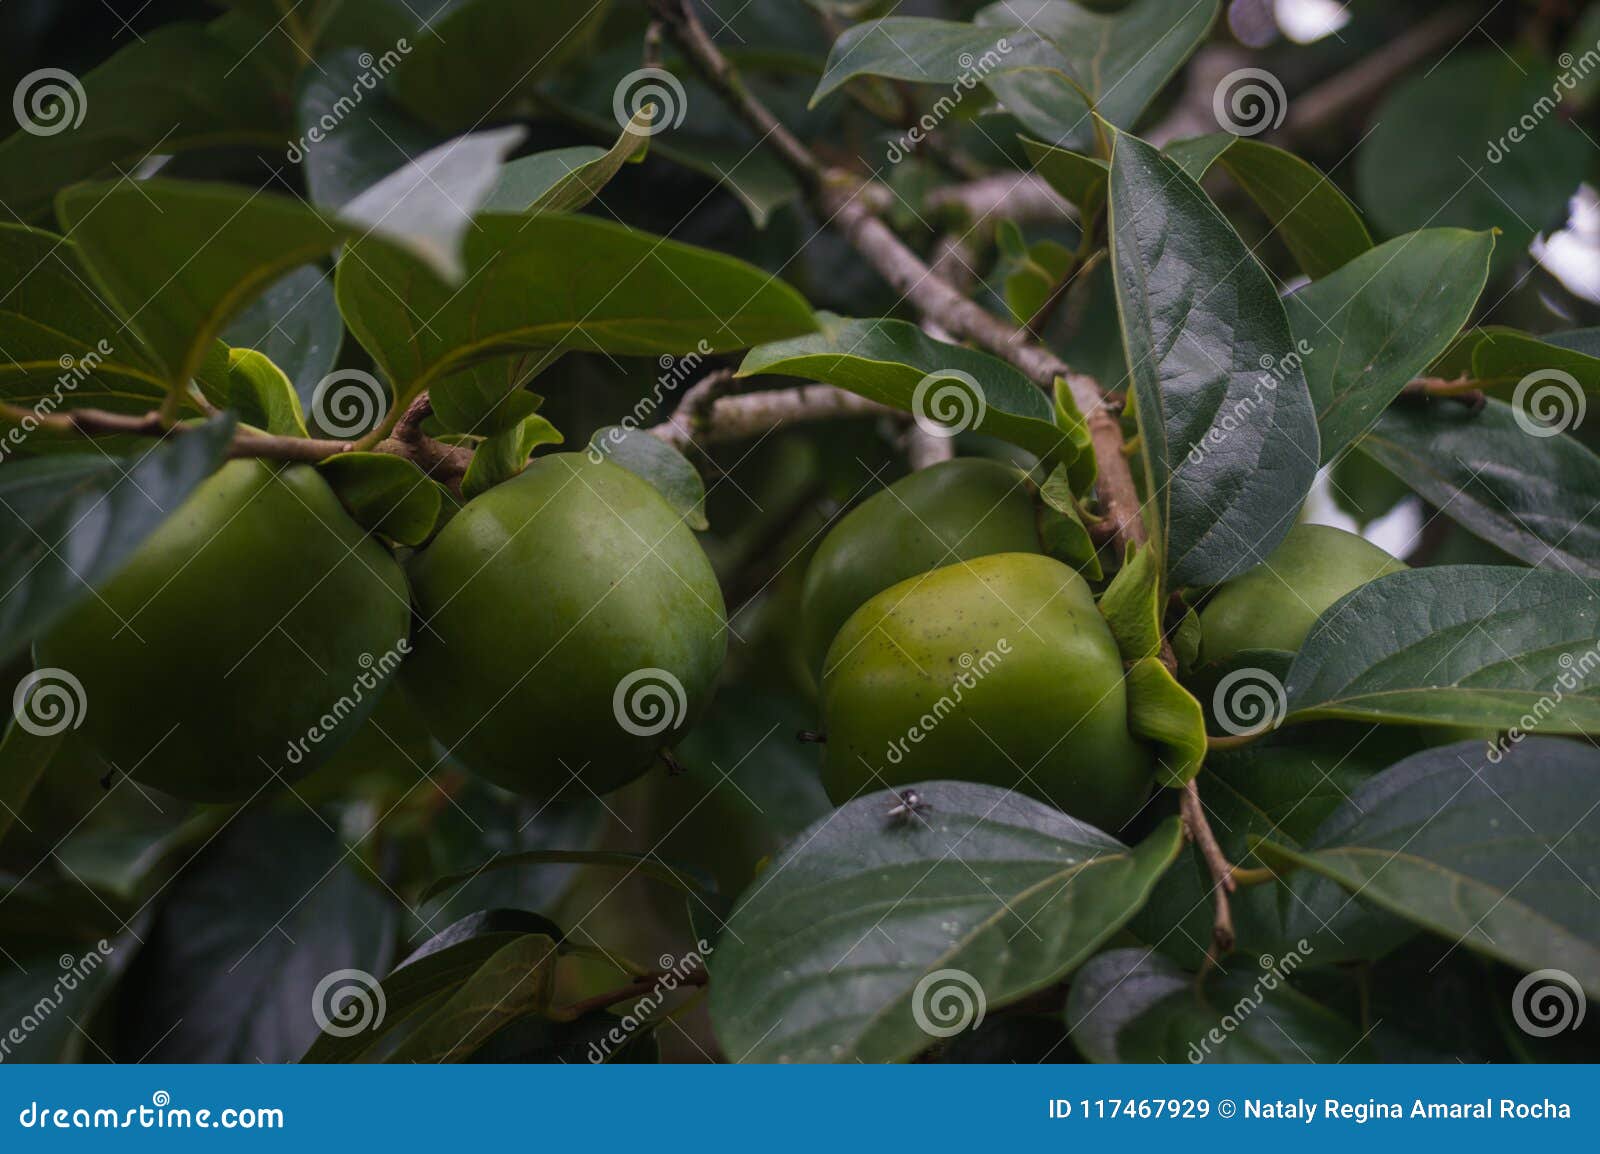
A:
{"x": 1198, "y": 830}
{"x": 704, "y": 418}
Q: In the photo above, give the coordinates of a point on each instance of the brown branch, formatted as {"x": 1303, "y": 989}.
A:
{"x": 1023, "y": 196}
{"x": 1198, "y": 830}
{"x": 703, "y": 418}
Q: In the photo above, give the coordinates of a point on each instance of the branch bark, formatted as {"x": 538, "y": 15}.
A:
{"x": 703, "y": 418}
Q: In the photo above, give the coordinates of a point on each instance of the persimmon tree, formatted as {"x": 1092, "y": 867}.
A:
{"x": 1044, "y": 530}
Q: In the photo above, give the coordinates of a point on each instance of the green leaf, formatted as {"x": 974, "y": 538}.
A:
{"x": 517, "y": 980}
{"x": 1166, "y": 714}
{"x": 646, "y": 865}
{"x": 486, "y": 398}
{"x": 1531, "y": 496}
{"x": 1368, "y": 329}
{"x": 65, "y": 348}
{"x": 385, "y": 494}
{"x": 1503, "y": 357}
{"x": 276, "y": 907}
{"x": 504, "y": 454}
{"x": 552, "y": 283}
{"x": 1320, "y": 226}
{"x": 68, "y": 522}
{"x": 1120, "y": 60}
{"x": 1131, "y": 604}
{"x": 983, "y": 897}
{"x": 1230, "y": 449}
{"x": 262, "y": 396}
{"x": 24, "y": 756}
{"x": 512, "y": 46}
{"x": 296, "y": 325}
{"x": 442, "y": 963}
{"x": 1441, "y": 152}
{"x": 1080, "y": 179}
{"x": 927, "y": 51}
{"x": 1489, "y": 847}
{"x": 1132, "y": 1005}
{"x": 348, "y": 144}
{"x": 659, "y": 463}
{"x": 73, "y": 991}
{"x": 567, "y": 179}
{"x": 948, "y": 387}
{"x": 429, "y": 203}
{"x": 1062, "y": 532}
{"x": 1478, "y": 645}
{"x": 175, "y": 88}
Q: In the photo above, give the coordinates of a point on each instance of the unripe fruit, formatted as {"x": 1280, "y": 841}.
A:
{"x": 1274, "y": 605}
{"x": 953, "y": 511}
{"x": 569, "y": 625}
{"x": 253, "y": 632}
{"x": 997, "y": 670}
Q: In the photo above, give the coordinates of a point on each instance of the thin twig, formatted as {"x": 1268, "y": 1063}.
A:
{"x": 1198, "y": 830}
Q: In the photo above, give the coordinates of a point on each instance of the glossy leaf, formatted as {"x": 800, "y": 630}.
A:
{"x": 296, "y": 324}
{"x": 69, "y": 522}
{"x": 553, "y": 283}
{"x": 925, "y": 51}
{"x": 1502, "y": 358}
{"x": 1481, "y": 645}
{"x": 987, "y": 893}
{"x": 659, "y": 463}
{"x": 385, "y": 494}
{"x": 503, "y": 455}
{"x": 519, "y": 979}
{"x": 567, "y": 179}
{"x": 1369, "y": 328}
{"x": 1080, "y": 179}
{"x": 1131, "y": 1005}
{"x": 1230, "y": 449}
{"x": 1322, "y": 229}
{"x": 1488, "y": 848}
{"x": 1442, "y": 152}
{"x": 896, "y": 363}
{"x": 262, "y": 396}
{"x": 176, "y": 88}
{"x": 1120, "y": 59}
{"x": 1531, "y": 496}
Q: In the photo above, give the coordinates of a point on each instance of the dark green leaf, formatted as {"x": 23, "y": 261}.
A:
{"x": 1368, "y": 329}
{"x": 68, "y": 522}
{"x": 177, "y": 88}
{"x": 275, "y": 909}
{"x": 385, "y": 494}
{"x": 1320, "y": 226}
{"x": 1135, "y": 1006}
{"x": 1489, "y": 847}
{"x": 1230, "y": 448}
{"x": 24, "y": 756}
{"x": 1080, "y": 179}
{"x": 1456, "y": 645}
{"x": 886, "y": 928}
{"x": 948, "y": 387}
{"x": 927, "y": 51}
{"x": 46, "y": 997}
{"x": 551, "y": 283}
{"x": 1442, "y": 152}
{"x": 1503, "y": 357}
{"x": 296, "y": 324}
{"x": 1531, "y": 496}
{"x": 518, "y": 979}
{"x": 648, "y": 866}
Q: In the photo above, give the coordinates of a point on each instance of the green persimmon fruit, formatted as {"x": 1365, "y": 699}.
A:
{"x": 998, "y": 670}
{"x": 953, "y": 511}
{"x": 568, "y": 625}
{"x": 249, "y": 637}
{"x": 1275, "y": 604}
